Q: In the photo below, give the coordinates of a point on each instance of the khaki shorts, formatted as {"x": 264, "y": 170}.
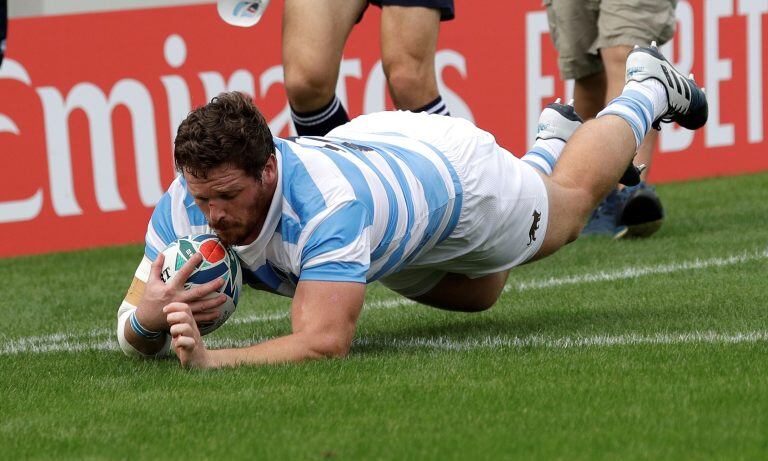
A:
{"x": 580, "y": 28}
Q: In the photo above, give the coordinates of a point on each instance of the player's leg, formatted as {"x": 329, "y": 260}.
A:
{"x": 596, "y": 156}
{"x": 314, "y": 34}
{"x": 636, "y": 211}
{"x": 589, "y": 94}
{"x": 457, "y": 292}
{"x": 573, "y": 28}
{"x": 408, "y": 45}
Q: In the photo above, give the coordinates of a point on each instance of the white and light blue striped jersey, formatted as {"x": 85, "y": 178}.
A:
{"x": 343, "y": 210}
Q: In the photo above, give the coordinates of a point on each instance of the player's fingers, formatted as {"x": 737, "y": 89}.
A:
{"x": 182, "y": 329}
{"x": 207, "y": 316}
{"x": 175, "y": 307}
{"x": 208, "y": 303}
{"x": 186, "y": 270}
{"x": 184, "y": 342}
{"x": 201, "y": 291}
{"x": 157, "y": 267}
{"x": 175, "y": 318}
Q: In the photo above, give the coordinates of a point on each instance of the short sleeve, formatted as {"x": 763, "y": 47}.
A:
{"x": 338, "y": 248}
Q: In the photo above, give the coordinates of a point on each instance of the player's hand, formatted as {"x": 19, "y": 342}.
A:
{"x": 187, "y": 342}
{"x": 158, "y": 294}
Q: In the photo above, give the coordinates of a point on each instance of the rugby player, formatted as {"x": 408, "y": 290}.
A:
{"x": 430, "y": 206}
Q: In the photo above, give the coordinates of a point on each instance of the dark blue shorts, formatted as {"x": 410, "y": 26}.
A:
{"x": 447, "y": 11}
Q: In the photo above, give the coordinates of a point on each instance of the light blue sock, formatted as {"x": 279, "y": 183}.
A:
{"x": 639, "y": 105}
{"x": 544, "y": 154}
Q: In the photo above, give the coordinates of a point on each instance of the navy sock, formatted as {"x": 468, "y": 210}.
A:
{"x": 319, "y": 122}
{"x": 435, "y": 107}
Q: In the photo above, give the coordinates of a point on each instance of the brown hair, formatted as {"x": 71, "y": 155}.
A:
{"x": 229, "y": 130}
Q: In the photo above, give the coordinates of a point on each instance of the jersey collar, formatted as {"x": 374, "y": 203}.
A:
{"x": 255, "y": 250}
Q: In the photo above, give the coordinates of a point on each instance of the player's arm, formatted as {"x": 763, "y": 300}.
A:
{"x": 323, "y": 316}
{"x": 329, "y": 296}
{"x": 142, "y": 329}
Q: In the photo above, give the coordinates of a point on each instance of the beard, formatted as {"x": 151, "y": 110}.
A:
{"x": 236, "y": 233}
{"x": 231, "y": 234}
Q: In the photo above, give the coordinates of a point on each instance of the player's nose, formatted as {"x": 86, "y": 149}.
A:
{"x": 216, "y": 214}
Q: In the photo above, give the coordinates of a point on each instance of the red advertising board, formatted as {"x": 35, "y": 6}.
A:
{"x": 89, "y": 102}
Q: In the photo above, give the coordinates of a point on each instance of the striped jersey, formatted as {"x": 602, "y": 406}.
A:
{"x": 343, "y": 210}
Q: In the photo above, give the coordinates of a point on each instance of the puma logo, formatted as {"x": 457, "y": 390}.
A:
{"x": 534, "y": 227}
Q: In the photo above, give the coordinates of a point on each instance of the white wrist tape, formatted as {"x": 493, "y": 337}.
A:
{"x": 125, "y": 311}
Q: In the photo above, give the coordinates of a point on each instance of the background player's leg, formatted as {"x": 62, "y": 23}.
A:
{"x": 589, "y": 94}
{"x": 408, "y": 46}
{"x": 314, "y": 34}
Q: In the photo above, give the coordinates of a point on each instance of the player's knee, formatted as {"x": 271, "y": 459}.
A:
{"x": 330, "y": 345}
{"x": 306, "y": 89}
{"x": 411, "y": 83}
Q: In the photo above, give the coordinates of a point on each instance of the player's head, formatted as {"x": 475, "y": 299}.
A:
{"x": 226, "y": 153}
{"x": 229, "y": 130}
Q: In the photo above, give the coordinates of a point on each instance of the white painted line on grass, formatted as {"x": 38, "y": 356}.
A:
{"x": 63, "y": 341}
{"x": 634, "y": 272}
{"x": 538, "y": 341}
{"x": 449, "y": 344}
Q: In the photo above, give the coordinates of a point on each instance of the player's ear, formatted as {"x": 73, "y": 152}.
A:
{"x": 269, "y": 173}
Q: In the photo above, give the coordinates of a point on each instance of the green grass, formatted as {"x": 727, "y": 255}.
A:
{"x": 396, "y": 398}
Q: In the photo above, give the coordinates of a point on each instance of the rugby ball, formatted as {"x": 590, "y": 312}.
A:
{"x": 218, "y": 262}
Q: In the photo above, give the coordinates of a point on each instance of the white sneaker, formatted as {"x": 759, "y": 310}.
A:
{"x": 687, "y": 102}
{"x": 558, "y": 121}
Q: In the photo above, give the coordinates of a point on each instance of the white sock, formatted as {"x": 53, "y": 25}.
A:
{"x": 653, "y": 90}
{"x": 544, "y": 154}
{"x": 640, "y": 104}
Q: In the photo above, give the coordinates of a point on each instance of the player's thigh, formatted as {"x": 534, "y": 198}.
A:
{"x": 573, "y": 28}
{"x": 457, "y": 292}
{"x": 635, "y": 22}
{"x": 409, "y": 30}
{"x": 314, "y": 34}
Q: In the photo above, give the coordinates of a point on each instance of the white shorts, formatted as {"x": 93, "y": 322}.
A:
{"x": 504, "y": 211}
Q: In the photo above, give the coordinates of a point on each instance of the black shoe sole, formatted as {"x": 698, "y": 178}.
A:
{"x": 643, "y": 215}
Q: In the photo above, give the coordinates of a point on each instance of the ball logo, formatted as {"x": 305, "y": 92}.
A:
{"x": 212, "y": 251}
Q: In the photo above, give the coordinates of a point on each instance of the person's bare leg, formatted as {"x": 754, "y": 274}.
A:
{"x": 408, "y": 45}
{"x": 589, "y": 94}
{"x": 457, "y": 292}
{"x": 590, "y": 166}
{"x": 314, "y": 34}
{"x": 592, "y": 162}
{"x": 614, "y": 59}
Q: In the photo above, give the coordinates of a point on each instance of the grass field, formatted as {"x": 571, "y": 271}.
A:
{"x": 654, "y": 349}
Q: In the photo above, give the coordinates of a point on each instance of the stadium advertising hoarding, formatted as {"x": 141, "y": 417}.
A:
{"x": 90, "y": 102}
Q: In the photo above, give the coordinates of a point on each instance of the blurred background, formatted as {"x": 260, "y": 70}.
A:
{"x": 91, "y": 93}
